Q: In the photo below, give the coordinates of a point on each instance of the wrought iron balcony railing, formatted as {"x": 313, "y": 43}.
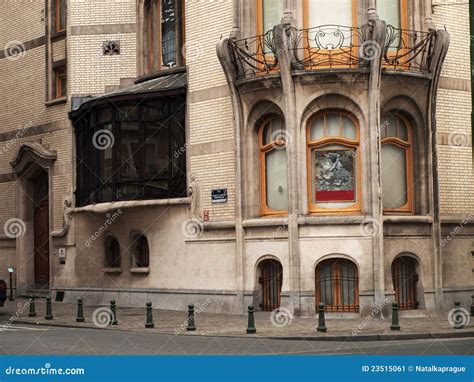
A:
{"x": 408, "y": 50}
{"x": 254, "y": 55}
{"x": 330, "y": 46}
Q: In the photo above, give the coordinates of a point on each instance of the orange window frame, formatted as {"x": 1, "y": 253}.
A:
{"x": 260, "y": 32}
{"x": 59, "y": 74}
{"x": 407, "y": 146}
{"x": 57, "y": 16}
{"x": 264, "y": 149}
{"x": 306, "y": 26}
{"x": 332, "y": 140}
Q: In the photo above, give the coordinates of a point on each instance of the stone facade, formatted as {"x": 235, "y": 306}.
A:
{"x": 200, "y": 249}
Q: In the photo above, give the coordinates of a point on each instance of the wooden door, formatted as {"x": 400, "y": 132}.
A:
{"x": 271, "y": 280}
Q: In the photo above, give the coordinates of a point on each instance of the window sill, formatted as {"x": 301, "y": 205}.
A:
{"x": 140, "y": 270}
{"x": 57, "y": 101}
{"x": 58, "y": 35}
{"x": 112, "y": 270}
{"x": 408, "y": 219}
{"x": 331, "y": 219}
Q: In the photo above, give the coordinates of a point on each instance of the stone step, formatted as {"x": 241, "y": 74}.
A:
{"x": 37, "y": 291}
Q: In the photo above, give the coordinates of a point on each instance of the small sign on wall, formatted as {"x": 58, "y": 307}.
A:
{"x": 219, "y": 195}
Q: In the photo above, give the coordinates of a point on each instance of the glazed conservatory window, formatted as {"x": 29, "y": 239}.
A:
{"x": 163, "y": 33}
{"x": 396, "y": 164}
{"x": 269, "y": 14}
{"x": 128, "y": 151}
{"x": 333, "y": 163}
{"x": 273, "y": 167}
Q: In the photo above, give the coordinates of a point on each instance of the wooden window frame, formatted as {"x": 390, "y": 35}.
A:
{"x": 407, "y": 208}
{"x": 57, "y": 16}
{"x": 153, "y": 41}
{"x": 264, "y": 149}
{"x": 333, "y": 140}
{"x": 335, "y": 267}
{"x": 59, "y": 73}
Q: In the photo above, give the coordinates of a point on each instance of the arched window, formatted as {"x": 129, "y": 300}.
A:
{"x": 396, "y": 164}
{"x": 269, "y": 14}
{"x": 162, "y": 34}
{"x": 112, "y": 252}
{"x": 270, "y": 279}
{"x": 405, "y": 279}
{"x": 337, "y": 285}
{"x": 141, "y": 253}
{"x": 273, "y": 167}
{"x": 333, "y": 163}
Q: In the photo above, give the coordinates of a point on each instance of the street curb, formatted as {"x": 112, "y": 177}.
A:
{"x": 324, "y": 337}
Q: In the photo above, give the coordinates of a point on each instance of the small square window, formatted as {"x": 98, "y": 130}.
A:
{"x": 60, "y": 82}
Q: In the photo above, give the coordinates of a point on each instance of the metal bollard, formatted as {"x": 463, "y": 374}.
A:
{"x": 149, "y": 316}
{"x": 32, "y": 312}
{"x": 251, "y": 329}
{"x": 113, "y": 313}
{"x": 49, "y": 309}
{"x": 395, "y": 322}
{"x": 191, "y": 324}
{"x": 80, "y": 311}
{"x": 322, "y": 320}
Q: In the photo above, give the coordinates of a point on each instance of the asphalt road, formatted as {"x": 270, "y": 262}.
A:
{"x": 30, "y": 340}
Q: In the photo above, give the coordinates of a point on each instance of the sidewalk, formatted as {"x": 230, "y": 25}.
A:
{"x": 210, "y": 324}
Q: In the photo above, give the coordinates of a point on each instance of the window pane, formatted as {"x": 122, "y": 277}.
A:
{"x": 323, "y": 12}
{"x": 157, "y": 146}
{"x": 272, "y": 14}
{"x": 106, "y": 157}
{"x": 317, "y": 129}
{"x": 389, "y": 11}
{"x": 276, "y": 180}
{"x": 402, "y": 130}
{"x": 390, "y": 125}
{"x": 333, "y": 125}
{"x": 394, "y": 176}
{"x": 168, "y": 32}
{"x": 348, "y": 128}
{"x": 129, "y": 151}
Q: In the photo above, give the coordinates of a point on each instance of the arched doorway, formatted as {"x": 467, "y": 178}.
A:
{"x": 270, "y": 280}
{"x": 405, "y": 278}
{"x": 41, "y": 229}
{"x": 337, "y": 285}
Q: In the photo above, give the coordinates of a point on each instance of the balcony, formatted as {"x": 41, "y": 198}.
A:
{"x": 333, "y": 47}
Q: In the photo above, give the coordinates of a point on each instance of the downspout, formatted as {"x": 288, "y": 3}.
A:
{"x": 224, "y": 55}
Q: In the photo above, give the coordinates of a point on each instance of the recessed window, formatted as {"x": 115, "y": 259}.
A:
{"x": 60, "y": 82}
{"x": 112, "y": 252}
{"x": 141, "y": 253}
{"x": 273, "y": 166}
{"x": 59, "y": 15}
{"x": 396, "y": 164}
{"x": 163, "y": 34}
{"x": 333, "y": 162}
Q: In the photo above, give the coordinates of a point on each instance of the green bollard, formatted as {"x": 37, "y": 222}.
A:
{"x": 32, "y": 312}
{"x": 113, "y": 313}
{"x": 191, "y": 324}
{"x": 322, "y": 320}
{"x": 458, "y": 316}
{"x": 49, "y": 309}
{"x": 251, "y": 329}
{"x": 395, "y": 322}
{"x": 80, "y": 311}
{"x": 149, "y": 316}
{"x": 472, "y": 305}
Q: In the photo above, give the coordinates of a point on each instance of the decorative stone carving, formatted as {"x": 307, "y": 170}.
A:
{"x": 193, "y": 192}
{"x": 110, "y": 48}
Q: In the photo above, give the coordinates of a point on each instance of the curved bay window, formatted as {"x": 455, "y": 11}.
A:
{"x": 141, "y": 252}
{"x": 273, "y": 167}
{"x": 112, "y": 252}
{"x": 396, "y": 170}
{"x": 333, "y": 163}
{"x": 128, "y": 151}
{"x": 337, "y": 285}
{"x": 162, "y": 34}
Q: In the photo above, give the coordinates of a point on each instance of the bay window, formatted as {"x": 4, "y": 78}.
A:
{"x": 273, "y": 167}
{"x": 333, "y": 163}
{"x": 396, "y": 164}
